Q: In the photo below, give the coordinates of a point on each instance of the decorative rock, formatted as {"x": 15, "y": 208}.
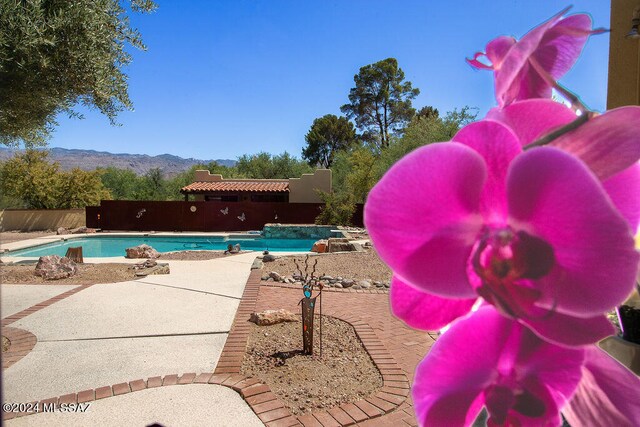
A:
{"x": 338, "y": 285}
{"x": 275, "y": 276}
{"x": 256, "y": 264}
{"x": 265, "y": 277}
{"x": 364, "y": 284}
{"x": 54, "y": 267}
{"x": 339, "y": 279}
{"x": 289, "y": 280}
{"x": 62, "y": 230}
{"x": 297, "y": 283}
{"x": 268, "y": 258}
{"x": 157, "y": 269}
{"x": 356, "y": 287}
{"x": 142, "y": 251}
{"x": 145, "y": 264}
{"x": 340, "y": 245}
{"x": 273, "y": 317}
{"x": 347, "y": 283}
{"x": 326, "y": 278}
{"x": 82, "y": 230}
{"x": 387, "y": 285}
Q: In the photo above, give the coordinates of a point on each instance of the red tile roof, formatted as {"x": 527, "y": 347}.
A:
{"x": 253, "y": 186}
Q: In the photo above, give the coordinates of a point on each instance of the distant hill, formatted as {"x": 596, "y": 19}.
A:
{"x": 139, "y": 163}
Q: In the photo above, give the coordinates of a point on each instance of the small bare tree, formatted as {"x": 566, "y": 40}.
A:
{"x": 309, "y": 282}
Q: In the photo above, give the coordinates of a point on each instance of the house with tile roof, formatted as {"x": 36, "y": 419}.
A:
{"x": 213, "y": 187}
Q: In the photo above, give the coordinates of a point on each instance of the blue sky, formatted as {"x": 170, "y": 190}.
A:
{"x": 226, "y": 78}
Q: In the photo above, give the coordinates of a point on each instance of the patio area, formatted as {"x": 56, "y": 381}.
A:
{"x": 123, "y": 346}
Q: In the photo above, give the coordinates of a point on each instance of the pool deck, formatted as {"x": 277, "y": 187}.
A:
{"x": 122, "y": 347}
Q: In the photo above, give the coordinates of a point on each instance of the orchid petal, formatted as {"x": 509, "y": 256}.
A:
{"x": 565, "y": 330}
{"x": 551, "y": 49}
{"x": 608, "y": 395}
{"x": 451, "y": 378}
{"x": 498, "y": 146}
{"x": 533, "y": 118}
{"x": 498, "y": 48}
{"x": 608, "y": 143}
{"x": 554, "y": 196}
{"x": 421, "y": 310}
{"x": 624, "y": 191}
{"x": 422, "y": 216}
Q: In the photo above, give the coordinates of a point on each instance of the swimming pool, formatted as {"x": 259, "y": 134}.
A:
{"x": 111, "y": 246}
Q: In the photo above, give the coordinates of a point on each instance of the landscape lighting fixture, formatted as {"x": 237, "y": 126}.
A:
{"x": 635, "y": 23}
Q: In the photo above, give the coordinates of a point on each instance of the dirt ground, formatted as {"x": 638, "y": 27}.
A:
{"x": 356, "y": 265}
{"x": 88, "y": 274}
{"x": 344, "y": 373}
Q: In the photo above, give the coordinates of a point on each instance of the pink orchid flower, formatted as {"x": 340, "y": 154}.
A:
{"x": 522, "y": 68}
{"x": 520, "y": 379}
{"x": 534, "y": 232}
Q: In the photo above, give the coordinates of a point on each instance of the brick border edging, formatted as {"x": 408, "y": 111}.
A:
{"x": 232, "y": 381}
{"x": 44, "y": 304}
{"x": 272, "y": 411}
{"x": 22, "y": 342}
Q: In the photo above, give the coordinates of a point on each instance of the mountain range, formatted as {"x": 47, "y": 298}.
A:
{"x": 139, "y": 163}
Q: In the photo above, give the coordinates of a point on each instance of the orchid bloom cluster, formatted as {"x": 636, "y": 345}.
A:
{"x": 518, "y": 234}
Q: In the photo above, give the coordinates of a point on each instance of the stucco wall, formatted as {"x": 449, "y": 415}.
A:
{"x": 624, "y": 57}
{"x": 303, "y": 189}
{"x": 41, "y": 219}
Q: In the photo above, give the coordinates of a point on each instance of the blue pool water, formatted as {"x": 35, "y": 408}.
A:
{"x": 115, "y": 246}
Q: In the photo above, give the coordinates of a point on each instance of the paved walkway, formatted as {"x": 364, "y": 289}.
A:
{"x": 107, "y": 334}
{"x": 126, "y": 340}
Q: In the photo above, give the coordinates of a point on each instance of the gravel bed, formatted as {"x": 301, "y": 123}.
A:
{"x": 344, "y": 373}
{"x": 364, "y": 265}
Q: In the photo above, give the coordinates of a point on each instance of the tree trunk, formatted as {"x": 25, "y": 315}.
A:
{"x": 75, "y": 254}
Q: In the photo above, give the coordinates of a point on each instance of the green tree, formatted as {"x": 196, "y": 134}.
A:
{"x": 55, "y": 54}
{"x": 327, "y": 135}
{"x": 424, "y": 129}
{"x": 32, "y": 182}
{"x": 265, "y": 166}
{"x": 427, "y": 111}
{"x": 380, "y": 103}
{"x": 121, "y": 183}
{"x": 78, "y": 189}
{"x": 153, "y": 186}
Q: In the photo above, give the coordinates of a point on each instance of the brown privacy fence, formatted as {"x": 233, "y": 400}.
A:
{"x": 201, "y": 216}
{"x": 40, "y": 219}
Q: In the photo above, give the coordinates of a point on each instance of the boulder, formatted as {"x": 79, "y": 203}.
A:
{"x": 340, "y": 245}
{"x": 145, "y": 264}
{"x": 275, "y": 276}
{"x": 268, "y": 258}
{"x": 54, "y": 267}
{"x": 82, "y": 230}
{"x": 273, "y": 317}
{"x": 162, "y": 268}
{"x": 142, "y": 251}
